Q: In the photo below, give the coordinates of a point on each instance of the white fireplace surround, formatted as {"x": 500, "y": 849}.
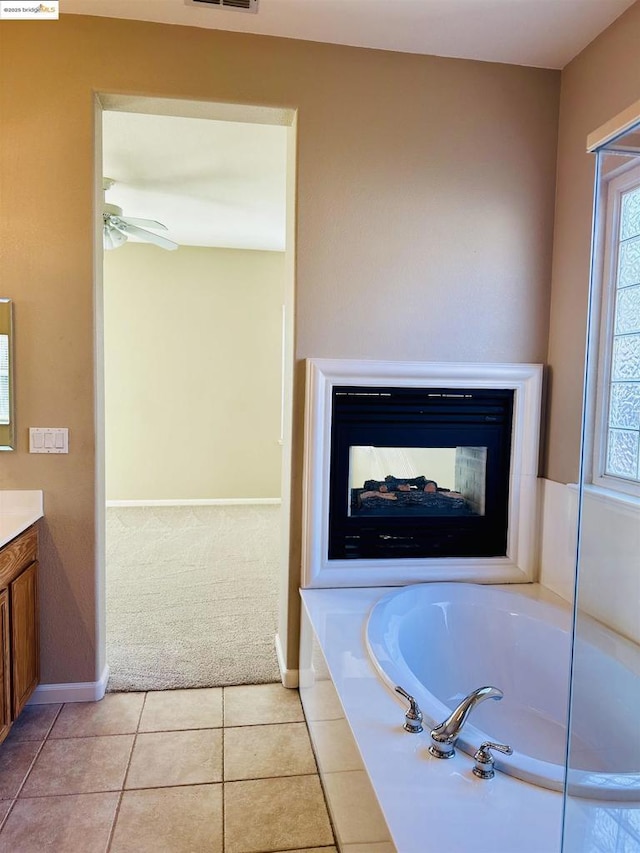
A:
{"x": 520, "y": 563}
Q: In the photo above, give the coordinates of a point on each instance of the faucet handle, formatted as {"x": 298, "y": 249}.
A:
{"x": 483, "y": 768}
{"x": 413, "y": 717}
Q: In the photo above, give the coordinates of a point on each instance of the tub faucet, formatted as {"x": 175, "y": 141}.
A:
{"x": 444, "y": 736}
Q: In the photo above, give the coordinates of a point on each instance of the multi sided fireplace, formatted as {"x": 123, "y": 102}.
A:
{"x": 420, "y": 471}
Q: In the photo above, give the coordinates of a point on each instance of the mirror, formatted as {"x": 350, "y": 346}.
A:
{"x": 6, "y": 381}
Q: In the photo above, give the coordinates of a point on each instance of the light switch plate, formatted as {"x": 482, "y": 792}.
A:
{"x": 48, "y": 440}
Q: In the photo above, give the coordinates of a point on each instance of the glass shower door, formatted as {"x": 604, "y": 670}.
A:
{"x": 602, "y": 791}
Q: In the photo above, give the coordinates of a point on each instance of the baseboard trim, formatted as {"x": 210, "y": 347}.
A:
{"x": 80, "y": 691}
{"x": 289, "y": 677}
{"x": 198, "y": 502}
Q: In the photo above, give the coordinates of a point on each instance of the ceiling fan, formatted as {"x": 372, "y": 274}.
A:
{"x": 118, "y": 228}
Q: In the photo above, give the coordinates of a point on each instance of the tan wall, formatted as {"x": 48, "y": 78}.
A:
{"x": 424, "y": 223}
{"x": 602, "y": 81}
{"x": 193, "y": 366}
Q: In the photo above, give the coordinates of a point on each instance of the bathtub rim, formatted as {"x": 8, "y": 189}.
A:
{"x": 514, "y": 814}
{"x": 555, "y": 777}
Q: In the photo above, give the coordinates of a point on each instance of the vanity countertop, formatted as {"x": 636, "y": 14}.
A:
{"x": 18, "y": 510}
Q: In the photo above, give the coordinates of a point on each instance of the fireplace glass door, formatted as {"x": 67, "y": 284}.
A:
{"x": 417, "y": 481}
{"x": 419, "y": 472}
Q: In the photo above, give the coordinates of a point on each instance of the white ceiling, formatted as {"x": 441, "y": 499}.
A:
{"x": 212, "y": 183}
{"x": 222, "y": 184}
{"x": 543, "y": 33}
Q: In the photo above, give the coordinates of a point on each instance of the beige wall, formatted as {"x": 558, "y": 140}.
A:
{"x": 424, "y": 222}
{"x": 193, "y": 367}
{"x": 602, "y": 81}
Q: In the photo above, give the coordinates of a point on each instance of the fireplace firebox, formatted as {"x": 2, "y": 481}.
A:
{"x": 419, "y": 472}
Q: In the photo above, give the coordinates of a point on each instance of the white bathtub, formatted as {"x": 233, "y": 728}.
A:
{"x": 441, "y": 641}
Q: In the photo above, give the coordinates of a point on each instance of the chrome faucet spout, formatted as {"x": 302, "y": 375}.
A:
{"x": 444, "y": 736}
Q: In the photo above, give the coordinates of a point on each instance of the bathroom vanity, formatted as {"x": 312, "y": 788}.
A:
{"x": 19, "y": 629}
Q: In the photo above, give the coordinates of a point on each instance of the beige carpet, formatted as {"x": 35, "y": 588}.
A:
{"x": 192, "y": 596}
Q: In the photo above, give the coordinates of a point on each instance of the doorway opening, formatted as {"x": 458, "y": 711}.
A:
{"x": 195, "y": 388}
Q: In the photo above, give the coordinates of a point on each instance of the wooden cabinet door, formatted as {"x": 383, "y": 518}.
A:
{"x": 5, "y": 668}
{"x": 24, "y": 637}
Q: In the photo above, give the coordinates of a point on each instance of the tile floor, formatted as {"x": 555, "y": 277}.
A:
{"x": 221, "y": 770}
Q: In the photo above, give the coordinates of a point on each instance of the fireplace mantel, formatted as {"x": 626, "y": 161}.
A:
{"x": 520, "y": 563}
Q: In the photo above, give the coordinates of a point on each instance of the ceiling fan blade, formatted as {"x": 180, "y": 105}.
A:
{"x": 147, "y": 236}
{"x": 111, "y": 237}
{"x": 146, "y": 223}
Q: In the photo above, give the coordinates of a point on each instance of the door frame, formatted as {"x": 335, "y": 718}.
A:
{"x": 286, "y": 117}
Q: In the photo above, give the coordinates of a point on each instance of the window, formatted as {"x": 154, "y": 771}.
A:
{"x": 616, "y": 463}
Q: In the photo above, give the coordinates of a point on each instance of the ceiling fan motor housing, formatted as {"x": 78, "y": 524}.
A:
{"x": 111, "y": 210}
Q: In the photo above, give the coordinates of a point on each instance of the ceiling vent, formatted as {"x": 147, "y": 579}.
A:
{"x": 239, "y": 5}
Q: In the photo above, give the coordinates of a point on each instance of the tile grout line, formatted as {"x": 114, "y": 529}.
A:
{"x": 30, "y": 768}
{"x": 153, "y": 788}
{"x": 135, "y": 740}
{"x": 320, "y": 779}
{"x": 303, "y": 849}
{"x": 115, "y": 735}
{"x": 174, "y": 785}
{"x": 224, "y": 833}
{"x": 112, "y": 828}
{"x": 6, "y": 817}
{"x": 124, "y": 779}
{"x": 264, "y": 725}
{"x": 36, "y": 756}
